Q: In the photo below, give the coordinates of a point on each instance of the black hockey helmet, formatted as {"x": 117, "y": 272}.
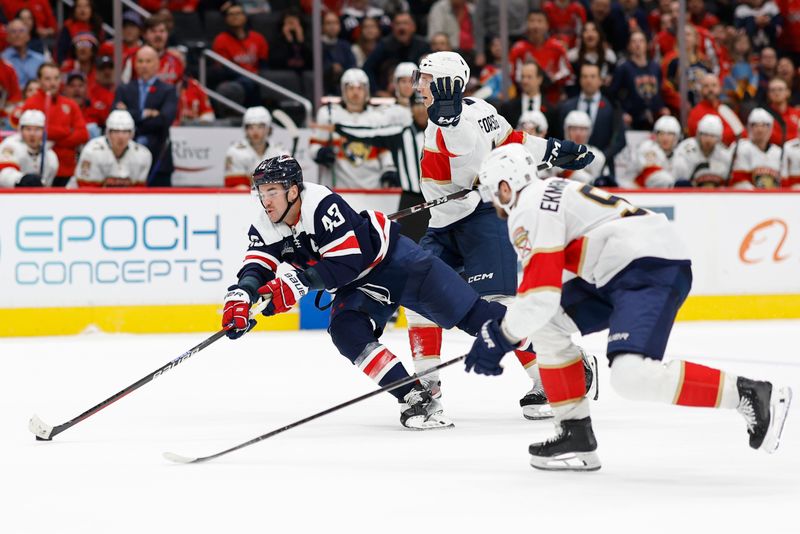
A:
{"x": 279, "y": 170}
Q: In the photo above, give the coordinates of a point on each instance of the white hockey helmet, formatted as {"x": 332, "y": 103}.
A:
{"x": 444, "y": 65}
{"x": 710, "y": 125}
{"x": 511, "y": 163}
{"x": 354, "y": 77}
{"x": 32, "y": 117}
{"x": 577, "y": 119}
{"x": 534, "y": 119}
{"x": 404, "y": 70}
{"x": 668, "y": 124}
{"x": 257, "y": 115}
{"x": 119, "y": 119}
{"x": 760, "y": 116}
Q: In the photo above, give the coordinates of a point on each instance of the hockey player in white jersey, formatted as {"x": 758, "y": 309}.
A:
{"x": 21, "y": 155}
{"x": 533, "y": 123}
{"x": 652, "y": 161}
{"x": 349, "y": 163}
{"x": 577, "y": 128}
{"x": 593, "y": 261}
{"x": 790, "y": 164}
{"x": 702, "y": 160}
{"x": 466, "y": 234}
{"x": 757, "y": 164}
{"x": 115, "y": 159}
{"x": 243, "y": 157}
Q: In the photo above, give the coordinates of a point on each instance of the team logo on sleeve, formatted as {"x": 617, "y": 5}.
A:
{"x": 521, "y": 242}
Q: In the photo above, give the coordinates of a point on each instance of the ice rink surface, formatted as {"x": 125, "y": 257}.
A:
{"x": 665, "y": 469}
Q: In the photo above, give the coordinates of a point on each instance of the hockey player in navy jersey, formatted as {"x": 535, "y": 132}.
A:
{"x": 593, "y": 261}
{"x": 307, "y": 237}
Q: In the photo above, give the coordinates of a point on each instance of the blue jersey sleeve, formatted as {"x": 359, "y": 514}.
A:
{"x": 262, "y": 258}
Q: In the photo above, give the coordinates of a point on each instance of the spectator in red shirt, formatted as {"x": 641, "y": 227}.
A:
{"x": 173, "y": 5}
{"x": 45, "y": 20}
{"x": 547, "y": 52}
{"x": 453, "y": 18}
{"x": 170, "y": 66}
{"x": 84, "y": 57}
{"x": 101, "y": 94}
{"x": 75, "y": 89}
{"x": 789, "y": 39}
{"x": 244, "y": 47}
{"x": 84, "y": 19}
{"x": 10, "y": 95}
{"x": 710, "y": 104}
{"x": 655, "y": 16}
{"x": 787, "y": 117}
{"x": 565, "y": 18}
{"x": 696, "y": 10}
{"x": 193, "y": 104}
{"x": 65, "y": 125}
{"x": 132, "y": 26}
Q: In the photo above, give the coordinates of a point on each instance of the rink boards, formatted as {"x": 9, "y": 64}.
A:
{"x": 160, "y": 261}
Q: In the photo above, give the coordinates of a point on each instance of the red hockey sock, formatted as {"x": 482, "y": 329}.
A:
{"x": 565, "y": 383}
{"x": 699, "y": 386}
{"x": 527, "y": 359}
{"x": 426, "y": 341}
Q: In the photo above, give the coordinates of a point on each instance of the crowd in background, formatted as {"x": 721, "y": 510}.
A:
{"x": 615, "y": 62}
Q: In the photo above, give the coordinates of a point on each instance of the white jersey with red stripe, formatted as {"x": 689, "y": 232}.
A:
{"x": 587, "y": 175}
{"x": 562, "y": 229}
{"x": 653, "y": 167}
{"x": 754, "y": 167}
{"x": 17, "y": 160}
{"x": 453, "y": 155}
{"x": 341, "y": 244}
{"x": 98, "y": 166}
{"x": 241, "y": 160}
{"x": 358, "y": 165}
{"x": 690, "y": 163}
{"x": 790, "y": 168}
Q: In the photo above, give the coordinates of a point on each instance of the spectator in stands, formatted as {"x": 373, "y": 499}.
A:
{"x": 36, "y": 43}
{"x": 28, "y": 91}
{"x": 355, "y": 12}
{"x": 786, "y": 116}
{"x": 246, "y": 48}
{"x": 491, "y": 76}
{"x": 45, "y": 20}
{"x": 530, "y": 97}
{"x": 611, "y": 20}
{"x": 19, "y": 54}
{"x": 172, "y": 5}
{"x": 22, "y": 163}
{"x": 453, "y": 18}
{"x": 169, "y": 21}
{"x": 153, "y": 104}
{"x": 156, "y": 35}
{"x": 698, "y": 67}
{"x": 767, "y": 69}
{"x": 703, "y": 160}
{"x": 132, "y": 26}
{"x": 440, "y": 42}
{"x": 593, "y": 48}
{"x": 487, "y": 14}
{"x": 607, "y": 127}
{"x": 789, "y": 40}
{"x": 547, "y": 52}
{"x": 699, "y": 16}
{"x": 83, "y": 57}
{"x": 740, "y": 86}
{"x": 114, "y": 160}
{"x": 337, "y": 56}
{"x": 710, "y": 105}
{"x": 289, "y": 49}
{"x": 84, "y": 19}
{"x": 65, "y": 125}
{"x": 786, "y": 71}
{"x": 74, "y": 88}
{"x": 10, "y": 94}
{"x": 761, "y": 20}
{"x": 193, "y": 104}
{"x": 368, "y": 39}
{"x": 566, "y": 20}
{"x": 637, "y": 86}
{"x": 101, "y": 93}
{"x": 635, "y": 16}
{"x": 402, "y": 45}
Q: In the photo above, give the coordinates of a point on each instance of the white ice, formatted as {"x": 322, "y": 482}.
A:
{"x": 665, "y": 469}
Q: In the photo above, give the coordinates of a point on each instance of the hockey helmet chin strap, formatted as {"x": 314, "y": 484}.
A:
{"x": 289, "y": 203}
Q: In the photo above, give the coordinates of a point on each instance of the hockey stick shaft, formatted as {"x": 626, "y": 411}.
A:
{"x": 545, "y": 165}
{"x": 45, "y": 432}
{"x": 389, "y": 387}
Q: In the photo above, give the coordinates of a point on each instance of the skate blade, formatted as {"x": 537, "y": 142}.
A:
{"x": 431, "y": 422}
{"x": 570, "y": 461}
{"x": 537, "y": 412}
{"x": 779, "y": 409}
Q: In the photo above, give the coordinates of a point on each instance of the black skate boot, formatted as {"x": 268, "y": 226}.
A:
{"x": 573, "y": 449}
{"x": 764, "y": 410}
{"x": 421, "y": 412}
{"x": 535, "y": 405}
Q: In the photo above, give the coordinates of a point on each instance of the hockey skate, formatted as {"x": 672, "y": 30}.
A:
{"x": 421, "y": 412}
{"x": 572, "y": 449}
{"x": 534, "y": 404}
{"x": 764, "y": 410}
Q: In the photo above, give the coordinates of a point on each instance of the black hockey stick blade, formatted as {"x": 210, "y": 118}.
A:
{"x": 46, "y": 432}
{"x": 177, "y": 458}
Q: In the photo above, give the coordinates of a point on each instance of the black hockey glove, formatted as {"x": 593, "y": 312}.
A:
{"x": 390, "y": 179}
{"x": 558, "y": 148}
{"x": 489, "y": 347}
{"x": 446, "y": 107}
{"x": 30, "y": 180}
{"x": 325, "y": 156}
{"x": 605, "y": 181}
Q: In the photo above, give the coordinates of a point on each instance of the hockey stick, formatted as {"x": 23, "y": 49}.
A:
{"x": 543, "y": 166}
{"x": 291, "y": 127}
{"x": 45, "y": 432}
{"x": 177, "y": 458}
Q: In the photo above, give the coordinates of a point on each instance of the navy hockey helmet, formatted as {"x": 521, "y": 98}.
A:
{"x": 282, "y": 170}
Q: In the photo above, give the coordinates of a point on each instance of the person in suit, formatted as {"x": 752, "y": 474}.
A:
{"x": 608, "y": 129}
{"x": 530, "y": 96}
{"x": 153, "y": 105}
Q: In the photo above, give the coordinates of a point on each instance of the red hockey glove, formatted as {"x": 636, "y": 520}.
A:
{"x": 286, "y": 289}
